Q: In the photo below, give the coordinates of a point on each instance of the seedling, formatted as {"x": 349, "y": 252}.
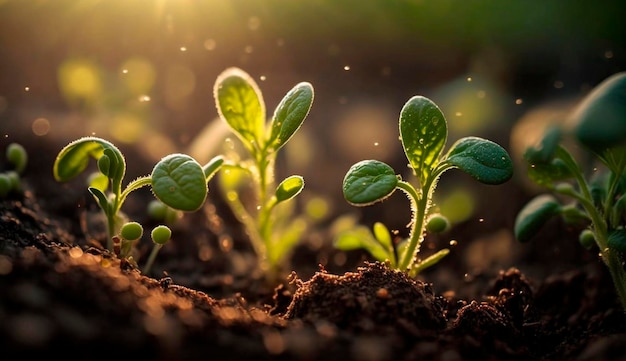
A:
{"x": 10, "y": 179}
{"x": 423, "y": 133}
{"x": 131, "y": 233}
{"x": 597, "y": 188}
{"x": 177, "y": 180}
{"x": 272, "y": 228}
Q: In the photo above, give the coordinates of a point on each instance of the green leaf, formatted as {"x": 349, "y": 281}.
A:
{"x": 98, "y": 180}
{"x": 289, "y": 188}
{"x": 240, "y": 103}
{"x": 74, "y": 157}
{"x": 601, "y": 117}
{"x": 534, "y": 215}
{"x": 428, "y": 262}
{"x": 545, "y": 151}
{"x": 483, "y": 159}
{"x": 423, "y": 131}
{"x": 178, "y": 181}
{"x": 361, "y": 237}
{"x": 617, "y": 240}
{"x": 102, "y": 200}
{"x": 368, "y": 182}
{"x": 382, "y": 234}
{"x": 290, "y": 114}
{"x": 545, "y": 174}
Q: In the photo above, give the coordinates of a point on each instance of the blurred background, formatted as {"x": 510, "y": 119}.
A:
{"x": 141, "y": 72}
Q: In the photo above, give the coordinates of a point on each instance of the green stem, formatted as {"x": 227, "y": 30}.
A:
{"x": 600, "y": 228}
{"x": 152, "y": 257}
{"x": 419, "y": 205}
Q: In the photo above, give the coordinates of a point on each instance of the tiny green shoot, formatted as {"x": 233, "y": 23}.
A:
{"x": 160, "y": 235}
{"x": 10, "y": 180}
{"x": 423, "y": 133}
{"x": 595, "y": 186}
{"x": 177, "y": 180}
{"x": 273, "y": 229}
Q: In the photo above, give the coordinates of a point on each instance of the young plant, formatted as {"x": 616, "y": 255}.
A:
{"x": 10, "y": 179}
{"x": 273, "y": 229}
{"x": 131, "y": 233}
{"x": 423, "y": 133}
{"x": 177, "y": 180}
{"x": 597, "y": 188}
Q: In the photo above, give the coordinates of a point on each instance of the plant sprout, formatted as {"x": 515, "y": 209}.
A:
{"x": 160, "y": 235}
{"x": 597, "y": 188}
{"x": 177, "y": 180}
{"x": 10, "y": 179}
{"x": 273, "y": 231}
{"x": 131, "y": 233}
{"x": 423, "y": 133}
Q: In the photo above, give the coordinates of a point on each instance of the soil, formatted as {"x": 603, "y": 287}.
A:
{"x": 62, "y": 295}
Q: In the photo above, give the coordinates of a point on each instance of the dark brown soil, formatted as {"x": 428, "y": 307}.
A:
{"x": 63, "y": 296}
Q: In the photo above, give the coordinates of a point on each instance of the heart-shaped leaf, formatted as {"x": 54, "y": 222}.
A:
{"x": 534, "y": 215}
{"x": 368, "y": 182}
{"x": 178, "y": 181}
{"x": 290, "y": 114}
{"x": 483, "y": 159}
{"x": 240, "y": 103}
{"x": 423, "y": 131}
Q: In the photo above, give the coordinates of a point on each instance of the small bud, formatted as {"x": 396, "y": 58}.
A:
{"x": 5, "y": 185}
{"x": 104, "y": 165}
{"x": 131, "y": 231}
{"x": 437, "y": 223}
{"x": 587, "y": 239}
{"x": 573, "y": 215}
{"x": 161, "y": 234}
{"x": 16, "y": 154}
